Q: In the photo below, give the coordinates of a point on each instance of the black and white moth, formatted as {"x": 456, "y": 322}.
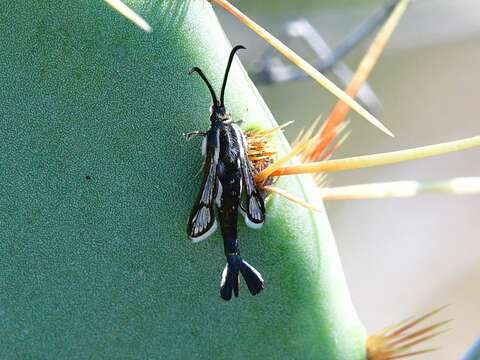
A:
{"x": 227, "y": 175}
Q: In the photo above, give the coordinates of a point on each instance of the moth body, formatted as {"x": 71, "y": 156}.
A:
{"x": 227, "y": 177}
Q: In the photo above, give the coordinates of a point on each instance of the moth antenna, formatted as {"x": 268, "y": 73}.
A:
{"x": 227, "y": 70}
{"x": 204, "y": 78}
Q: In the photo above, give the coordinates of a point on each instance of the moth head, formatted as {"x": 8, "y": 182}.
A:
{"x": 218, "y": 112}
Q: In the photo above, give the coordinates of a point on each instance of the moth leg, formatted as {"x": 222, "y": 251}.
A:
{"x": 198, "y": 172}
{"x": 192, "y": 134}
{"x": 240, "y": 121}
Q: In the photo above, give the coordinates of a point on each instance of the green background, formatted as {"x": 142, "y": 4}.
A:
{"x": 102, "y": 268}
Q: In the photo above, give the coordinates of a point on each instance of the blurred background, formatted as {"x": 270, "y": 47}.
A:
{"x": 402, "y": 257}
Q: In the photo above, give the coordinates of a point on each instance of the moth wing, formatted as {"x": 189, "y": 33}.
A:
{"x": 202, "y": 222}
{"x": 254, "y": 207}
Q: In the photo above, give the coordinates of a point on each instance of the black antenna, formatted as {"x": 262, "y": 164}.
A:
{"x": 202, "y": 75}
{"x": 227, "y": 70}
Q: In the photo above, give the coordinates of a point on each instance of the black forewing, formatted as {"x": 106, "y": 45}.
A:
{"x": 201, "y": 223}
{"x": 254, "y": 207}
